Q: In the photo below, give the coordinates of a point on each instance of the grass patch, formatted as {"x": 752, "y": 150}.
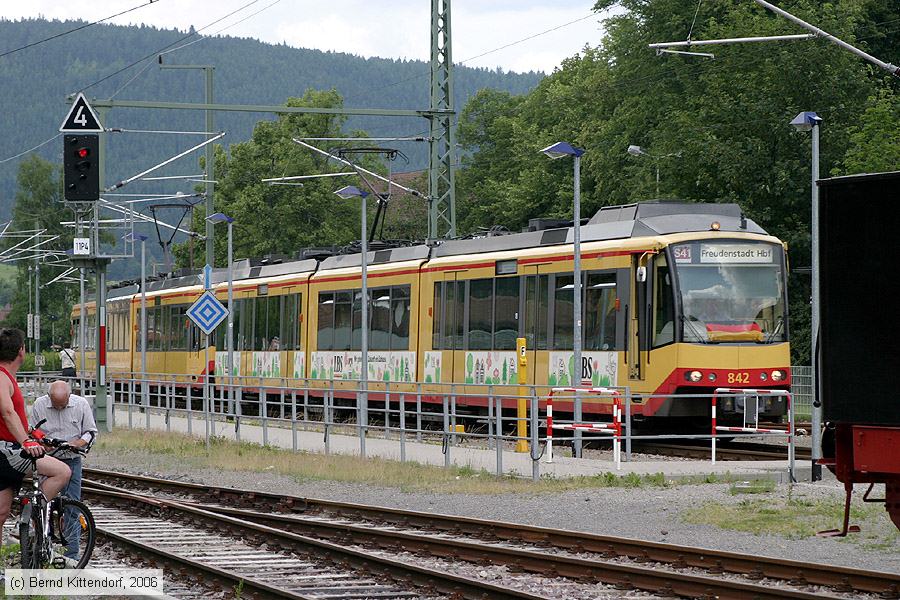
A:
{"x": 797, "y": 518}
{"x": 306, "y": 466}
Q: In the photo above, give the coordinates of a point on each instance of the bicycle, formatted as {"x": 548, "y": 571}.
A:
{"x": 56, "y": 534}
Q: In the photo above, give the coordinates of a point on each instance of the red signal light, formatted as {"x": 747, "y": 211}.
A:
{"x": 82, "y": 152}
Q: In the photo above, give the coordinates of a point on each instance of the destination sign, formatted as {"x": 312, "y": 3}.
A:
{"x": 737, "y": 253}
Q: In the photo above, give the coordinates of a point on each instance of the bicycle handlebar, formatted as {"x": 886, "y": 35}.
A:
{"x": 57, "y": 446}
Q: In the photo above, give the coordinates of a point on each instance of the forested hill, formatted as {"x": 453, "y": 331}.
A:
{"x": 34, "y": 83}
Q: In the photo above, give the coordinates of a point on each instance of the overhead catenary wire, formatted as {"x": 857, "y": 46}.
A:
{"x": 358, "y": 168}
{"x": 125, "y": 182}
{"x": 79, "y": 28}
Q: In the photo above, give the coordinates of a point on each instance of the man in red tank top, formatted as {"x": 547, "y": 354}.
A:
{"x": 14, "y": 438}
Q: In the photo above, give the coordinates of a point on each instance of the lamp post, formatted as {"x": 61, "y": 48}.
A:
{"x": 809, "y": 121}
{"x": 561, "y": 150}
{"x": 130, "y": 237}
{"x": 638, "y": 151}
{"x": 229, "y": 338}
{"x": 347, "y": 192}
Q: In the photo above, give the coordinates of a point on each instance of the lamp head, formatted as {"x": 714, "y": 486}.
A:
{"x": 561, "y": 150}
{"x": 351, "y": 191}
{"x": 636, "y": 151}
{"x": 218, "y": 217}
{"x": 805, "y": 121}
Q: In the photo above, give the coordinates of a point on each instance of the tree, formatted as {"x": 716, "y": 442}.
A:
{"x": 727, "y": 118}
{"x": 875, "y": 141}
{"x": 39, "y": 204}
{"x": 275, "y": 219}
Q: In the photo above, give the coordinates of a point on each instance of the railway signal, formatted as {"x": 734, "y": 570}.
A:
{"x": 81, "y": 168}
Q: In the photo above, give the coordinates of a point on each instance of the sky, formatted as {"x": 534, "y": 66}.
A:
{"x": 386, "y": 28}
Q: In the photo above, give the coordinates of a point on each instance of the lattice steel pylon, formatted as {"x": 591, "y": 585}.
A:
{"x": 442, "y": 159}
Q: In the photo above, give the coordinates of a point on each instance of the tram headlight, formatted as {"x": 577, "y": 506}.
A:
{"x": 778, "y": 375}
{"x": 693, "y": 376}
{"x": 763, "y": 376}
{"x": 711, "y": 376}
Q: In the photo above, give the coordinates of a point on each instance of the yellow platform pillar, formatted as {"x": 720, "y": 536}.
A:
{"x": 522, "y": 404}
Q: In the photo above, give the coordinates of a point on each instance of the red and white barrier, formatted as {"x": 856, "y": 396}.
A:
{"x": 614, "y": 428}
{"x": 789, "y": 432}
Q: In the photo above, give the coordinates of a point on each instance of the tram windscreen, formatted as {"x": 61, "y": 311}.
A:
{"x": 731, "y": 291}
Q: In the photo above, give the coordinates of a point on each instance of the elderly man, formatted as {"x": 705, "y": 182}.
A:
{"x": 68, "y": 417}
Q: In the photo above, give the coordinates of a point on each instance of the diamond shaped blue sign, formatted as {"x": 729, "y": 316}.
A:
{"x": 207, "y": 312}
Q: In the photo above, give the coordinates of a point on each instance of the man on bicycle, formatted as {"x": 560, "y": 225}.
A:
{"x": 14, "y": 437}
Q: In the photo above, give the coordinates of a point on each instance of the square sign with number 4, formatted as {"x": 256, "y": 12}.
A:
{"x": 81, "y": 247}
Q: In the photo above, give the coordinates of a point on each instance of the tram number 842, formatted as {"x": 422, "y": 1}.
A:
{"x": 739, "y": 378}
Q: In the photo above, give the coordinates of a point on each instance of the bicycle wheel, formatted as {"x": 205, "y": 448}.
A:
{"x": 30, "y": 537}
{"x": 73, "y": 534}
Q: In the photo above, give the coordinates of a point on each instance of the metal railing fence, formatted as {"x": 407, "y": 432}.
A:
{"x": 402, "y": 413}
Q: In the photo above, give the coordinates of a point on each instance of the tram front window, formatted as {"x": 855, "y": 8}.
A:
{"x": 731, "y": 291}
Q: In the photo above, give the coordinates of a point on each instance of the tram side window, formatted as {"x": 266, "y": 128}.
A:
{"x": 76, "y": 334}
{"x": 342, "y": 320}
{"x": 126, "y": 330}
{"x": 356, "y": 331}
{"x": 600, "y": 312}
{"x": 178, "y": 339}
{"x": 240, "y": 317}
{"x": 290, "y": 321}
{"x": 562, "y": 312}
{"x": 437, "y": 316}
{"x": 90, "y": 332}
{"x": 265, "y": 337}
{"x": 379, "y": 319}
{"x": 400, "y": 300}
{"x": 537, "y": 308}
{"x": 481, "y": 313}
{"x": 664, "y": 309}
{"x": 325, "y": 332}
{"x": 454, "y": 307}
{"x": 506, "y": 313}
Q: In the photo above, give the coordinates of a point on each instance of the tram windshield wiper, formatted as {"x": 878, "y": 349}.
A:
{"x": 699, "y": 337}
{"x": 775, "y": 331}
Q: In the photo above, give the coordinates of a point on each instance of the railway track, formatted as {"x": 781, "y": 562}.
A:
{"x": 724, "y": 450}
{"x": 628, "y": 564}
{"x": 259, "y": 561}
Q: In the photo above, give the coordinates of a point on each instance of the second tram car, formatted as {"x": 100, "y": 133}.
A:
{"x": 678, "y": 299}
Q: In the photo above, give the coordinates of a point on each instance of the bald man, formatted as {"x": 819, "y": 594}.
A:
{"x": 68, "y": 417}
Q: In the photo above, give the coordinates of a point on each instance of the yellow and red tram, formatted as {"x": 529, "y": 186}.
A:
{"x": 678, "y": 299}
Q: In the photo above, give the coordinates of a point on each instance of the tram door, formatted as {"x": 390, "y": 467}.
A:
{"x": 533, "y": 313}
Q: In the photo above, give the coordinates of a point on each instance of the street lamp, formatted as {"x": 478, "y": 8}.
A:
{"x": 130, "y": 237}
{"x": 555, "y": 151}
{"x": 214, "y": 219}
{"x": 638, "y": 151}
{"x": 347, "y": 192}
{"x": 809, "y": 121}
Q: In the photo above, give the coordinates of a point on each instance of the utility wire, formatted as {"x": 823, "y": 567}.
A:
{"x": 217, "y": 32}
{"x": 44, "y": 143}
{"x": 497, "y": 49}
{"x": 167, "y": 46}
{"x": 202, "y": 38}
{"x": 79, "y": 28}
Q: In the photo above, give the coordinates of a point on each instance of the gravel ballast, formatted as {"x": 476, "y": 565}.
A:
{"x": 648, "y": 512}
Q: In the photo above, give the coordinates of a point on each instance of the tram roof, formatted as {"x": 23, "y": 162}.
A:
{"x": 242, "y": 269}
{"x": 645, "y": 219}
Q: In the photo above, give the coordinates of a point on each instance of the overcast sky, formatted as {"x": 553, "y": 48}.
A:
{"x": 388, "y": 28}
